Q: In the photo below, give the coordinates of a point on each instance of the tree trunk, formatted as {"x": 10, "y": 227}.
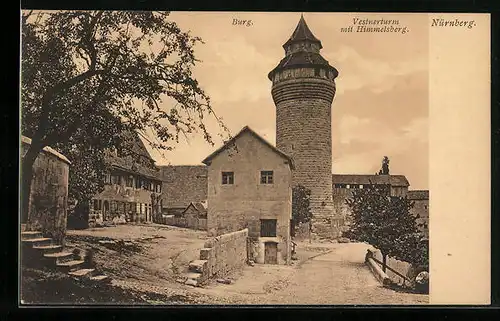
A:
{"x": 27, "y": 178}
{"x": 384, "y": 262}
{"x": 310, "y": 232}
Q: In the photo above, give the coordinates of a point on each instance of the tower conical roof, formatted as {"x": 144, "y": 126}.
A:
{"x": 302, "y": 33}
{"x": 304, "y": 55}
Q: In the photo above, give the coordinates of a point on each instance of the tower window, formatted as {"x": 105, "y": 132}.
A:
{"x": 227, "y": 178}
{"x": 316, "y": 72}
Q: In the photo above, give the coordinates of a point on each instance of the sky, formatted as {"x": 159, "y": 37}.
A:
{"x": 380, "y": 108}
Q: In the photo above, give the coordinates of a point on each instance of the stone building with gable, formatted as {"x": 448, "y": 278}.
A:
{"x": 250, "y": 186}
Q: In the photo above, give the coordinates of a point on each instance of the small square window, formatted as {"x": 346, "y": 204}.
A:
{"x": 266, "y": 177}
{"x": 360, "y": 186}
{"x": 267, "y": 228}
{"x": 348, "y": 186}
{"x": 227, "y": 178}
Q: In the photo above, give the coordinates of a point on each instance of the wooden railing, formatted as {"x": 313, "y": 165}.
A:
{"x": 370, "y": 255}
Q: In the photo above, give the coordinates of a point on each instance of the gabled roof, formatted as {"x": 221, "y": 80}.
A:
{"x": 393, "y": 180}
{"x": 418, "y": 195}
{"x": 302, "y": 33}
{"x": 247, "y": 129}
{"x": 134, "y": 144}
{"x": 197, "y": 206}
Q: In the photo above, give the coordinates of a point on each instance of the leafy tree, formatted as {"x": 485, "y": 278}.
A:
{"x": 385, "y": 222}
{"x": 301, "y": 209}
{"x": 87, "y": 76}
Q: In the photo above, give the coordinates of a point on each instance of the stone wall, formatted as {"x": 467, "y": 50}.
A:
{"x": 224, "y": 254}
{"x": 421, "y": 208}
{"x": 420, "y": 200}
{"x": 342, "y": 211}
{"x": 49, "y": 192}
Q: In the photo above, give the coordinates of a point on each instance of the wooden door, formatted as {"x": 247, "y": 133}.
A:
{"x": 271, "y": 253}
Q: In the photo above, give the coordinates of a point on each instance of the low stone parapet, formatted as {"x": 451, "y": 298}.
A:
{"x": 220, "y": 256}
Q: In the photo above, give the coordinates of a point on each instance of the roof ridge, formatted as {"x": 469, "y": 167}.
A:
{"x": 254, "y": 133}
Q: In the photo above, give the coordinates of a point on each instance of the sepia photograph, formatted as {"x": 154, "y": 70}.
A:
{"x": 229, "y": 158}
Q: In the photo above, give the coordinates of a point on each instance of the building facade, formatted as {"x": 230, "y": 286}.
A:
{"x": 303, "y": 90}
{"x": 250, "y": 186}
{"x": 133, "y": 187}
{"x": 420, "y": 208}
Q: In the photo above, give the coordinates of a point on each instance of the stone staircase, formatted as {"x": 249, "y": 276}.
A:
{"x": 197, "y": 273}
{"x": 39, "y": 251}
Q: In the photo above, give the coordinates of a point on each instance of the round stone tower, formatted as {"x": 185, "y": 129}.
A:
{"x": 303, "y": 91}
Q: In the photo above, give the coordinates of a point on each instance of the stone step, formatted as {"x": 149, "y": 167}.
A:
{"x": 70, "y": 265}
{"x": 60, "y": 256}
{"x": 48, "y": 248}
{"x": 31, "y": 235}
{"x": 198, "y": 266}
{"x": 38, "y": 241}
{"x": 100, "y": 278}
{"x": 82, "y": 273}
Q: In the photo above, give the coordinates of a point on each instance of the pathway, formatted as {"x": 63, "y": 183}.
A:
{"x": 338, "y": 276}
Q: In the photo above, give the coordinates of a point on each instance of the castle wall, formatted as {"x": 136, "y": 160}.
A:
{"x": 421, "y": 208}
